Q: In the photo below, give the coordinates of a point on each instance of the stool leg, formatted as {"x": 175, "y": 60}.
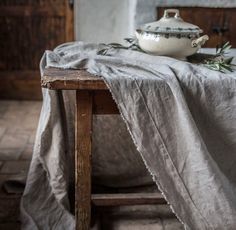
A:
{"x": 83, "y": 133}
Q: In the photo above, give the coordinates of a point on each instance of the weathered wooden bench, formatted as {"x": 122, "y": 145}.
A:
{"x": 92, "y": 97}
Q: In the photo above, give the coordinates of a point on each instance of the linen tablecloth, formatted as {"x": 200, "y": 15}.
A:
{"x": 181, "y": 118}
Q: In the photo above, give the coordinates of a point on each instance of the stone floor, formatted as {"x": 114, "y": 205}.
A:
{"x": 18, "y": 122}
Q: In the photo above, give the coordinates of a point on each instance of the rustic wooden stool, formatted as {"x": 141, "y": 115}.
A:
{"x": 92, "y": 97}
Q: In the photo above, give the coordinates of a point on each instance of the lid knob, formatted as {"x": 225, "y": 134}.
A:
{"x": 166, "y": 13}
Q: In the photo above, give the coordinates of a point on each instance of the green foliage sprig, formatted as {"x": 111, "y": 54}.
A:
{"x": 219, "y": 61}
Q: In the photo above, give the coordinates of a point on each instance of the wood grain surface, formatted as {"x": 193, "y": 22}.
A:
{"x": 218, "y": 23}
{"x": 27, "y": 29}
{"x": 83, "y": 147}
{"x": 54, "y": 78}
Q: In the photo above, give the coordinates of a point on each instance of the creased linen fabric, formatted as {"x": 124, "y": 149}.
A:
{"x": 182, "y": 120}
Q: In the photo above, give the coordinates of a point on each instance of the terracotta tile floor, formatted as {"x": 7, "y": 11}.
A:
{"x": 18, "y": 123}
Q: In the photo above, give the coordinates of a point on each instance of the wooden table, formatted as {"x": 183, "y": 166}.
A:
{"x": 92, "y": 97}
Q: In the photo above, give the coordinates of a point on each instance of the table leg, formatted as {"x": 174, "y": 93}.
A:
{"x": 83, "y": 133}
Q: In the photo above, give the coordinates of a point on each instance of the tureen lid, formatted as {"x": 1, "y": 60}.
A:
{"x": 168, "y": 24}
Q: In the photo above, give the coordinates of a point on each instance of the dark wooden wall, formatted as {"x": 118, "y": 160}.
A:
{"x": 218, "y": 23}
{"x": 27, "y": 29}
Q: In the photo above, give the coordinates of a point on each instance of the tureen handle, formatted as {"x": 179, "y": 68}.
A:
{"x": 166, "y": 13}
{"x": 200, "y": 41}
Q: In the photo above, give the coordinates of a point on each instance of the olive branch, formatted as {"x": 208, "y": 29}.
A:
{"x": 219, "y": 61}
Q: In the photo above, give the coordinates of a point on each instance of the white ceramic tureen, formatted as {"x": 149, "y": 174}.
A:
{"x": 170, "y": 36}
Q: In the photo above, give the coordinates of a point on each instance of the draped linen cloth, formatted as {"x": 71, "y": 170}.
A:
{"x": 182, "y": 120}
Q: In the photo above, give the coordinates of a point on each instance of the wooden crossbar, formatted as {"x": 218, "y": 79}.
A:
{"x": 127, "y": 199}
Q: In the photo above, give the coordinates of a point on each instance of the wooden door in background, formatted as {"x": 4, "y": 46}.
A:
{"x": 218, "y": 23}
{"x": 27, "y": 29}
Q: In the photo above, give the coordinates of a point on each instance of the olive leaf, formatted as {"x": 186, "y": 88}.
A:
{"x": 219, "y": 62}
